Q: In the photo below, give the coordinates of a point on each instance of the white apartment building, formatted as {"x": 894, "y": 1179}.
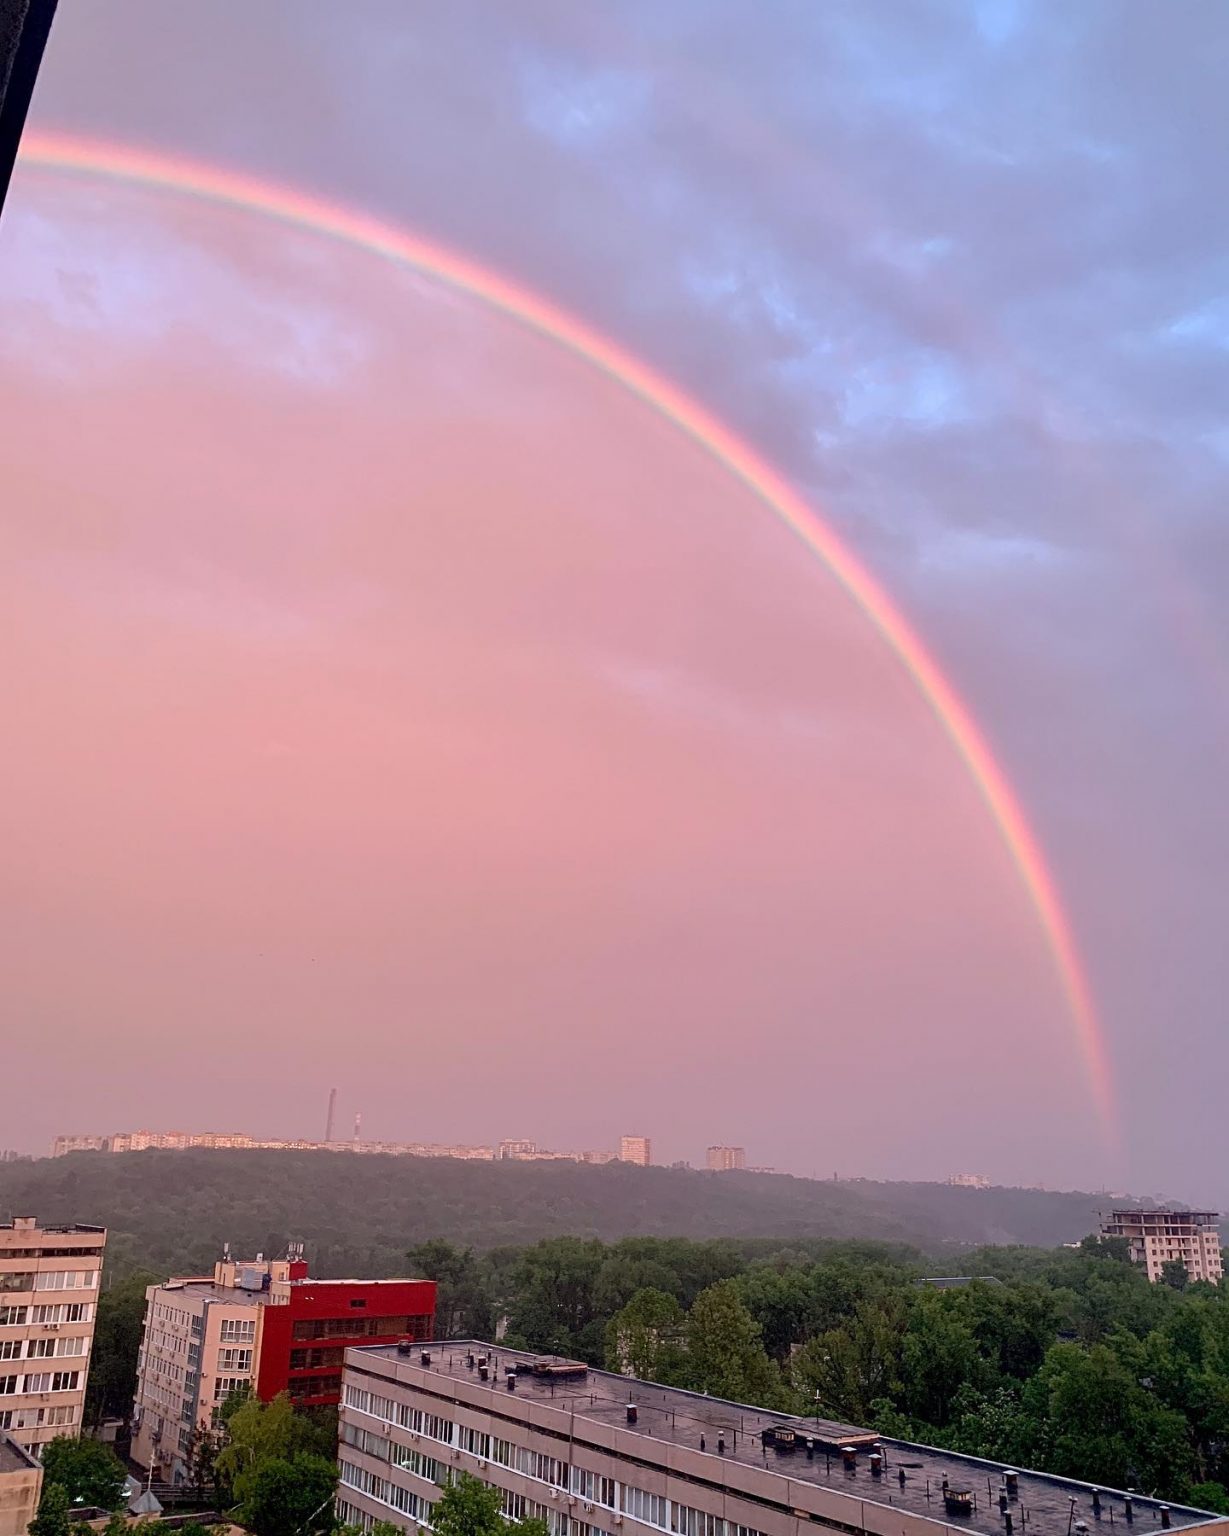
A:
{"x": 636, "y": 1149}
{"x": 723, "y": 1159}
{"x": 1156, "y": 1238}
{"x": 49, "y": 1279}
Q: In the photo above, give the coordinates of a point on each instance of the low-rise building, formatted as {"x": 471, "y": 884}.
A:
{"x": 595, "y": 1454}
{"x": 1156, "y": 1238}
{"x": 49, "y": 1279}
{"x": 262, "y": 1326}
{"x": 21, "y": 1486}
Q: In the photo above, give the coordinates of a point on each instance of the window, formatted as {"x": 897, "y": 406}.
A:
{"x": 13, "y": 1317}
{"x": 62, "y": 1312}
{"x": 648, "y": 1507}
{"x": 65, "y": 1381}
{"x": 474, "y": 1441}
{"x": 234, "y": 1360}
{"x": 11, "y": 1282}
{"x": 65, "y": 1280}
{"x": 40, "y": 1349}
{"x": 238, "y": 1331}
{"x": 225, "y": 1385}
{"x": 10, "y": 1349}
{"x": 8, "y": 1385}
{"x": 64, "y": 1414}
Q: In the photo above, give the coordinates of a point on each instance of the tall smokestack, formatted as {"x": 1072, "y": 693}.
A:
{"x": 328, "y": 1124}
{"x": 358, "y": 1125}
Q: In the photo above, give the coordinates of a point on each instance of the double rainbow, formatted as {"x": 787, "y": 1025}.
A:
{"x": 232, "y": 189}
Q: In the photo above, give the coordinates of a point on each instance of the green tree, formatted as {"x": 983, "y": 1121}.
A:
{"x": 88, "y": 1471}
{"x": 842, "y": 1372}
{"x": 553, "y": 1306}
{"x": 117, "y": 1339}
{"x": 204, "y": 1448}
{"x": 289, "y": 1497}
{"x": 464, "y": 1307}
{"x": 257, "y": 1434}
{"x": 52, "y": 1518}
{"x": 725, "y": 1350}
{"x": 1100, "y": 1422}
{"x": 1210, "y": 1496}
{"x": 1174, "y": 1274}
{"x": 645, "y": 1339}
{"x": 468, "y": 1507}
{"x": 938, "y": 1356}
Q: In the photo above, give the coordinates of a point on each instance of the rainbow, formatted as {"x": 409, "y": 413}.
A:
{"x": 232, "y": 189}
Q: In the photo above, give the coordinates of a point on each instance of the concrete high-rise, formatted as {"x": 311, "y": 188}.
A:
{"x": 48, "y": 1296}
{"x": 1155, "y": 1238}
{"x": 721, "y": 1159}
{"x": 636, "y": 1149}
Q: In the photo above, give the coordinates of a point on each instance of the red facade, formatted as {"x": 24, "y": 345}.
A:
{"x": 302, "y": 1343}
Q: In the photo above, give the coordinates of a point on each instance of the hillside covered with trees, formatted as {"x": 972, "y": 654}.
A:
{"x": 357, "y": 1215}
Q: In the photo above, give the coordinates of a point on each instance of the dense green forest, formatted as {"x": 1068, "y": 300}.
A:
{"x": 357, "y": 1215}
{"x": 1067, "y": 1360}
{"x": 1063, "y": 1359}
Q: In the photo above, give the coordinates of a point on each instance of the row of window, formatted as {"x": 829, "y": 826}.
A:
{"x": 61, "y": 1416}
{"x": 234, "y": 1359}
{"x": 236, "y": 1330}
{"x": 301, "y": 1388}
{"x": 50, "y": 1280}
{"x": 596, "y": 1488}
{"x": 42, "y": 1349}
{"x": 311, "y": 1328}
{"x": 40, "y": 1381}
{"x": 403, "y": 1456}
{"x": 47, "y": 1312}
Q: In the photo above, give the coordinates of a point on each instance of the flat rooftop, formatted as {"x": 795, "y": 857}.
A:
{"x": 676, "y": 1417}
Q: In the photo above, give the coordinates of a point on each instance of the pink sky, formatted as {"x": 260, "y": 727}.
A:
{"x": 397, "y": 705}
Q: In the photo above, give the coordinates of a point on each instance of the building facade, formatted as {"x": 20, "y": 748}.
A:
{"x": 49, "y": 1278}
{"x": 21, "y": 1485}
{"x": 636, "y": 1149}
{"x": 1156, "y": 1238}
{"x": 263, "y": 1326}
{"x": 722, "y": 1159}
{"x": 594, "y": 1454}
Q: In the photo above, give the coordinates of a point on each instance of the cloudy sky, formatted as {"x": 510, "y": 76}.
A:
{"x": 397, "y": 704}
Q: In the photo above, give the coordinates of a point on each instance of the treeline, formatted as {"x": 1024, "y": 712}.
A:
{"x": 173, "y": 1210}
{"x": 1065, "y": 1360}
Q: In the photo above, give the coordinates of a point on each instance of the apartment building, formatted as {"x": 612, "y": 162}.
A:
{"x": 1156, "y": 1238}
{"x": 596, "y": 1454}
{"x": 263, "y": 1326}
{"x": 21, "y": 1486}
{"x": 636, "y": 1149}
{"x": 49, "y": 1279}
{"x": 722, "y": 1159}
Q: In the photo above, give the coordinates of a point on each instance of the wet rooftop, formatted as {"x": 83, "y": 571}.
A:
{"x": 912, "y": 1476}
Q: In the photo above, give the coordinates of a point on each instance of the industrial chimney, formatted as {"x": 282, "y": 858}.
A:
{"x": 328, "y": 1124}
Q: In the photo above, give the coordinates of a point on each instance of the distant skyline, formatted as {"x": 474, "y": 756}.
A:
{"x": 397, "y": 702}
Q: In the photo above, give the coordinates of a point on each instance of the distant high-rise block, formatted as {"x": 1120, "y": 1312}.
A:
{"x": 636, "y": 1149}
{"x": 720, "y": 1159}
{"x": 48, "y": 1295}
{"x": 1155, "y": 1238}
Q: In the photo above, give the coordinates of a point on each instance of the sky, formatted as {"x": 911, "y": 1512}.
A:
{"x": 397, "y": 704}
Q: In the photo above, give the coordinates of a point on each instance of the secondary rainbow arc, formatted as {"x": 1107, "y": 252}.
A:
{"x": 223, "y": 186}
